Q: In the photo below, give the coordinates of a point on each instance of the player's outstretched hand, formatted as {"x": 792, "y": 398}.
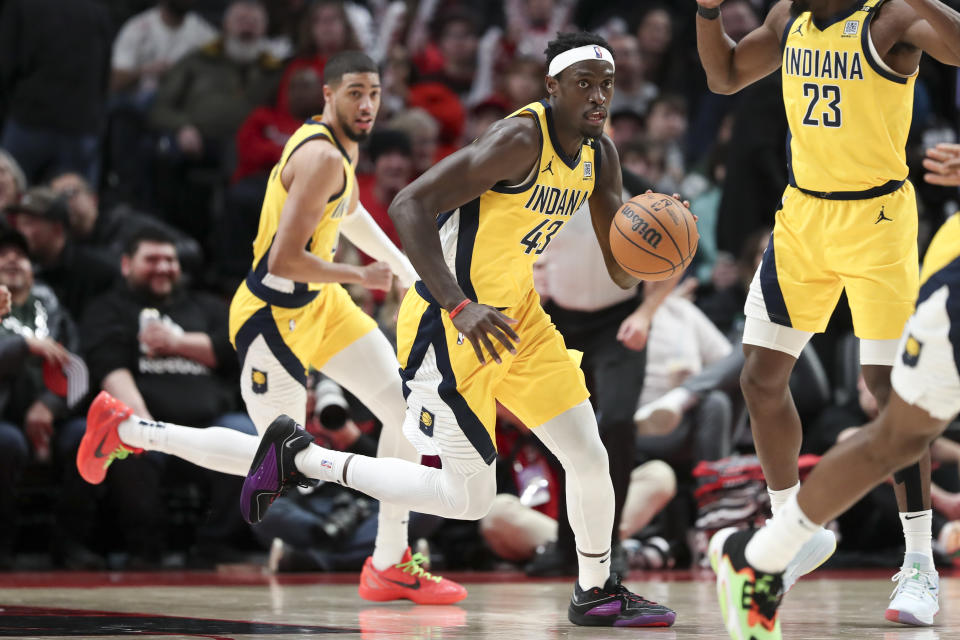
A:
{"x": 377, "y": 276}
{"x": 477, "y": 322}
{"x": 943, "y": 165}
{"x": 677, "y": 196}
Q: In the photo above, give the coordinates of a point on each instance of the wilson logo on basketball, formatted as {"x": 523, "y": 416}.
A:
{"x": 641, "y": 228}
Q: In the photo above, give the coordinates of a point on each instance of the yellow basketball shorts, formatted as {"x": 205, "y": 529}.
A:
{"x": 299, "y": 337}
{"x": 451, "y": 397}
{"x": 821, "y": 247}
{"x": 927, "y": 370}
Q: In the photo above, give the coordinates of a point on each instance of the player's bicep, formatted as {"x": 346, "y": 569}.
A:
{"x": 922, "y": 35}
{"x": 316, "y": 177}
{"x": 499, "y": 155}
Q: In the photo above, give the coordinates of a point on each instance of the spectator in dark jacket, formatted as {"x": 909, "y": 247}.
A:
{"x": 163, "y": 349}
{"x": 54, "y": 71}
{"x": 34, "y": 341}
{"x": 76, "y": 274}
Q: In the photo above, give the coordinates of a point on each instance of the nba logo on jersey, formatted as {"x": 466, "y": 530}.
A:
{"x": 258, "y": 381}
{"x": 911, "y": 351}
{"x": 587, "y": 170}
{"x": 851, "y": 28}
{"x": 426, "y": 422}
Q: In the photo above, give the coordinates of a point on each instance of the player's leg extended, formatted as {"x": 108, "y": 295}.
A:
{"x": 844, "y": 475}
{"x": 368, "y": 369}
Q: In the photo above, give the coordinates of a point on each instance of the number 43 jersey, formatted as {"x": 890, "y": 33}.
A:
{"x": 848, "y": 112}
{"x": 491, "y": 242}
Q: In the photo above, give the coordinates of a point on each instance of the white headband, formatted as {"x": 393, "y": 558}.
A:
{"x": 567, "y": 58}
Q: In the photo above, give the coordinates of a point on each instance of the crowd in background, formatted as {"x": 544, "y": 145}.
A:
{"x": 136, "y": 138}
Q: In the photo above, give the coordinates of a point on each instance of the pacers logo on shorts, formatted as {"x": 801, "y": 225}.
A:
{"x": 259, "y": 381}
{"x": 911, "y": 351}
{"x": 426, "y": 422}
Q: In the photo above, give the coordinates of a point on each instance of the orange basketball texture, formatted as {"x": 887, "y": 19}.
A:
{"x": 653, "y": 237}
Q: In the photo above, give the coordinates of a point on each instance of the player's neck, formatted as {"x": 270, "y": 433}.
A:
{"x": 569, "y": 139}
{"x": 824, "y": 9}
{"x": 350, "y": 146}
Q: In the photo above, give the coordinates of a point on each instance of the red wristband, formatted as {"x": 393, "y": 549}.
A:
{"x": 457, "y": 309}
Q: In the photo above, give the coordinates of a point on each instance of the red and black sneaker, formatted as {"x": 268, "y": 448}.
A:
{"x": 408, "y": 580}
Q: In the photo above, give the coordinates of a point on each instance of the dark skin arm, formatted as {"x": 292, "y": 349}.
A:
{"x": 730, "y": 65}
{"x": 606, "y": 199}
{"x": 506, "y": 152}
{"x": 904, "y": 29}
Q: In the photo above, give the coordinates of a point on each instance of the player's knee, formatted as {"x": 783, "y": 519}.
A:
{"x": 761, "y": 382}
{"x": 896, "y": 445}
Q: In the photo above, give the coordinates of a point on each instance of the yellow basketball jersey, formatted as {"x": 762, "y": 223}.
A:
{"x": 848, "y": 112}
{"x": 323, "y": 243}
{"x": 491, "y": 242}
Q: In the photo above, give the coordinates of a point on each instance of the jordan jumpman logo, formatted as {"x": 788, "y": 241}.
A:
{"x": 882, "y": 217}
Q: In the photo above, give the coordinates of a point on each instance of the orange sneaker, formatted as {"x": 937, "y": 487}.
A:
{"x": 101, "y": 443}
{"x": 407, "y": 579}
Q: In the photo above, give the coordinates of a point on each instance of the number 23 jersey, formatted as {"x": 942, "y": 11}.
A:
{"x": 491, "y": 243}
{"x": 848, "y": 112}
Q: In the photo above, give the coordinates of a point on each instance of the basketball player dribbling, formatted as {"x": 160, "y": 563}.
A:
{"x": 472, "y": 331}
{"x": 291, "y": 313}
{"x": 848, "y": 221}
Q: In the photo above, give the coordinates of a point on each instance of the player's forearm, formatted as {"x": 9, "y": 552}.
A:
{"x": 944, "y": 20}
{"x": 716, "y": 51}
{"x": 418, "y": 233}
{"x": 365, "y": 234}
{"x": 302, "y": 266}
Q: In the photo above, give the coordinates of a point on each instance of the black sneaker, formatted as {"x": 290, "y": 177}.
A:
{"x": 614, "y": 605}
{"x": 273, "y": 470}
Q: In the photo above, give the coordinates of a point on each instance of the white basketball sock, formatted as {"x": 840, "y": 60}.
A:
{"x": 918, "y": 532}
{"x": 368, "y": 369}
{"x": 781, "y": 497}
{"x": 214, "y": 448}
{"x": 573, "y": 437}
{"x": 773, "y": 547}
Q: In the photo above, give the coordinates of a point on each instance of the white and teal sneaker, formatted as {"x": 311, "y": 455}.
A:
{"x": 916, "y": 598}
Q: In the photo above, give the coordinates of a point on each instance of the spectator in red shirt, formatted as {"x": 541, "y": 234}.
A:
{"x": 391, "y": 154}
{"x": 262, "y": 135}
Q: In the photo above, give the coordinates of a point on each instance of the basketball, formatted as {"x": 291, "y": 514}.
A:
{"x": 653, "y": 236}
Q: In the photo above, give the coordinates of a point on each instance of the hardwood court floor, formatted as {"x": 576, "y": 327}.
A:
{"x": 246, "y": 604}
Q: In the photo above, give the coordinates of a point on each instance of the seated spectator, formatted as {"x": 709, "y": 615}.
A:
{"x": 12, "y": 181}
{"x": 145, "y": 49}
{"x": 263, "y": 134}
{"x": 106, "y": 232}
{"x": 655, "y": 36}
{"x": 35, "y": 337}
{"x": 523, "y": 82}
{"x": 75, "y": 273}
{"x": 163, "y": 349}
{"x": 200, "y": 103}
{"x": 452, "y": 61}
{"x": 633, "y": 90}
{"x": 391, "y": 153}
{"x": 482, "y": 116}
{"x": 150, "y": 42}
{"x": 54, "y": 59}
{"x": 424, "y": 134}
{"x": 667, "y": 124}
{"x": 325, "y": 30}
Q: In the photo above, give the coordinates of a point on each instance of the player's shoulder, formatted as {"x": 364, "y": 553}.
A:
{"x": 319, "y": 151}
{"x": 513, "y": 139}
{"x": 779, "y": 17}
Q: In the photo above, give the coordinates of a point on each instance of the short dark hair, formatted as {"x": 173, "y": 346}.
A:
{"x": 387, "y": 141}
{"x": 566, "y": 41}
{"x": 347, "y": 62}
{"x": 147, "y": 233}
